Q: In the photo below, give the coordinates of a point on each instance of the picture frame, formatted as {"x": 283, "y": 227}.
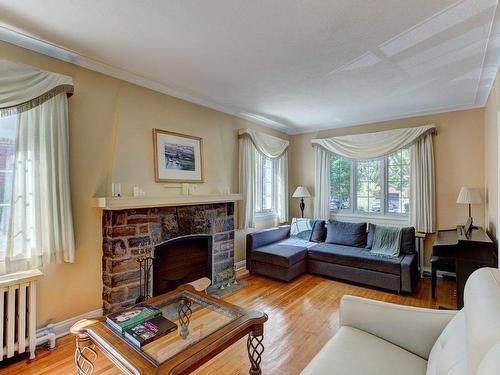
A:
{"x": 177, "y": 157}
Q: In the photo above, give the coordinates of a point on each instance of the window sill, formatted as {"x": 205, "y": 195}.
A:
{"x": 265, "y": 216}
{"x": 375, "y": 219}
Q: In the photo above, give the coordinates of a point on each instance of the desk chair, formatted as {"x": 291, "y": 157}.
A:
{"x": 440, "y": 263}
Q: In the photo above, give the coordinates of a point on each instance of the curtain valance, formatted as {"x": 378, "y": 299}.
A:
{"x": 23, "y": 87}
{"x": 373, "y": 145}
{"x": 270, "y": 146}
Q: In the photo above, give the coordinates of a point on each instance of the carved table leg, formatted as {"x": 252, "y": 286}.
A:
{"x": 255, "y": 349}
{"x": 85, "y": 355}
{"x": 185, "y": 312}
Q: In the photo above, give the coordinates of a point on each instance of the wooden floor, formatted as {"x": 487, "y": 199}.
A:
{"x": 303, "y": 316}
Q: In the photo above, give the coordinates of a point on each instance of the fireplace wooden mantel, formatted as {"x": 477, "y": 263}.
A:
{"x": 124, "y": 203}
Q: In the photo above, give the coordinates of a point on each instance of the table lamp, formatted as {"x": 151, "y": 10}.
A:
{"x": 301, "y": 192}
{"x": 469, "y": 196}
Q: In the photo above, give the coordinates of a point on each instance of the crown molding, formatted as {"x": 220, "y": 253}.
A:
{"x": 36, "y": 44}
{"x": 401, "y": 116}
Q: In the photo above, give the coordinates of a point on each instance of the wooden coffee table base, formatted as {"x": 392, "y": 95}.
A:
{"x": 86, "y": 354}
{"x": 255, "y": 349}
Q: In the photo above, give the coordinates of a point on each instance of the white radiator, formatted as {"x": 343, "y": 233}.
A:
{"x": 18, "y": 313}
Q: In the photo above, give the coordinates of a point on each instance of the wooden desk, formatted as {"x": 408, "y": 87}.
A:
{"x": 470, "y": 251}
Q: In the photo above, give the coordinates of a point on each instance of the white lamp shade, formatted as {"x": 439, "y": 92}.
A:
{"x": 301, "y": 192}
{"x": 469, "y": 196}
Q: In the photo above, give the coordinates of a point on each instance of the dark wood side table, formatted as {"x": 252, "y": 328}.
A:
{"x": 469, "y": 251}
{"x": 206, "y": 327}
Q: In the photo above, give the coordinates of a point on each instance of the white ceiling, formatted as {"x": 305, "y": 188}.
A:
{"x": 292, "y": 64}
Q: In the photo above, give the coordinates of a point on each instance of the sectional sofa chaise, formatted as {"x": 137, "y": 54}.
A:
{"x": 334, "y": 249}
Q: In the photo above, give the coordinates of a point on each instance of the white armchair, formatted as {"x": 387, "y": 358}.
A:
{"x": 383, "y": 338}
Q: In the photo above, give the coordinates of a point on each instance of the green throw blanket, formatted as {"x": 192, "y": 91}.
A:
{"x": 386, "y": 241}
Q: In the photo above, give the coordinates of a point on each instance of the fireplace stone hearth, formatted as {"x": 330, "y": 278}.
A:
{"x": 130, "y": 233}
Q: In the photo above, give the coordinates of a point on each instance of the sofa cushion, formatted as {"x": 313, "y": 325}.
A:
{"x": 354, "y": 257}
{"x": 352, "y": 351}
{"x": 267, "y": 236}
{"x": 280, "y": 254}
{"x": 369, "y": 236}
{"x": 449, "y": 353}
{"x": 319, "y": 231}
{"x": 307, "y": 229}
{"x": 349, "y": 234}
{"x": 407, "y": 239}
{"x": 482, "y": 317}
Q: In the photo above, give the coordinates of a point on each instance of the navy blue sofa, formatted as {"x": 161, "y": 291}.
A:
{"x": 273, "y": 253}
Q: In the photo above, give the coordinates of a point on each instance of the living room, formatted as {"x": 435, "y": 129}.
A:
{"x": 276, "y": 179}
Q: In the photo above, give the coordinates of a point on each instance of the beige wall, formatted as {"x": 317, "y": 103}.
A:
{"x": 111, "y": 140}
{"x": 459, "y": 159}
{"x": 491, "y": 160}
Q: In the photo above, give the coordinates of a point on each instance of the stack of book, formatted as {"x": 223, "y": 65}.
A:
{"x": 140, "y": 324}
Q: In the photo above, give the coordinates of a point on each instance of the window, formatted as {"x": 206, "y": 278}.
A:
{"x": 265, "y": 185}
{"x": 372, "y": 187}
{"x": 8, "y": 128}
{"x": 398, "y": 182}
{"x": 340, "y": 177}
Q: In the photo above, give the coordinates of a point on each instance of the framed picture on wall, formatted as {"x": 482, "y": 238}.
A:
{"x": 178, "y": 157}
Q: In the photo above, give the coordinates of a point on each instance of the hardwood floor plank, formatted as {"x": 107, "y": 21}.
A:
{"x": 303, "y": 316}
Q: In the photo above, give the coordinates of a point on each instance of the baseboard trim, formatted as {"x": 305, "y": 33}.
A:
{"x": 62, "y": 328}
{"x": 241, "y": 265}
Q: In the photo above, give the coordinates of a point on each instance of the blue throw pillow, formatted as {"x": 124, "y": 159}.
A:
{"x": 348, "y": 234}
{"x": 408, "y": 240}
{"x": 369, "y": 235}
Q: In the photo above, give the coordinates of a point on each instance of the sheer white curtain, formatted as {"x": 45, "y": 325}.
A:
{"x": 247, "y": 182}
{"x": 322, "y": 184}
{"x": 41, "y": 225}
{"x": 281, "y": 170}
{"x": 422, "y": 186}
{"x": 274, "y": 148}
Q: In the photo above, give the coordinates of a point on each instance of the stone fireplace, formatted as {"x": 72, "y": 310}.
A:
{"x": 131, "y": 233}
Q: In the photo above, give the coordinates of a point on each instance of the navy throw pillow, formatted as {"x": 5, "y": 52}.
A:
{"x": 408, "y": 240}
{"x": 369, "y": 235}
{"x": 348, "y": 234}
{"x": 319, "y": 231}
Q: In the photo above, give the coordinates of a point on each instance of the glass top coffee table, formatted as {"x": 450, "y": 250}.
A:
{"x": 205, "y": 327}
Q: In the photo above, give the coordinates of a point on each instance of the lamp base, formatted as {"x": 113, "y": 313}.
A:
{"x": 302, "y": 205}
